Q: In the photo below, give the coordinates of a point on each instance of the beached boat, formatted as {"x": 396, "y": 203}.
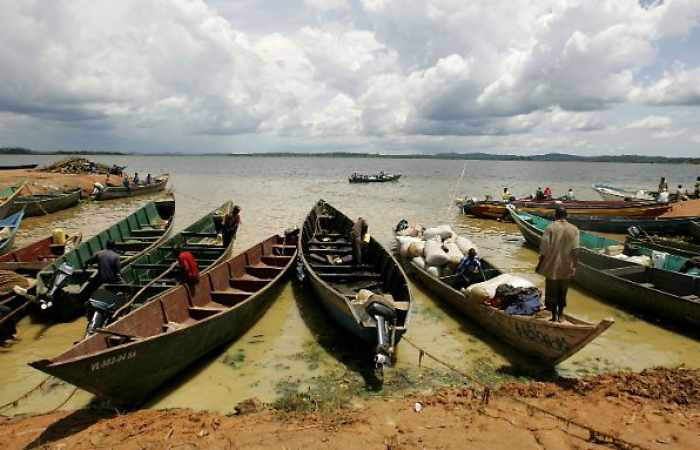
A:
{"x": 377, "y": 178}
{"x": 685, "y": 246}
{"x": 154, "y": 271}
{"x": 536, "y": 336}
{"x": 608, "y": 192}
{"x": 133, "y": 236}
{"x": 7, "y": 198}
{"x": 8, "y": 230}
{"x": 656, "y": 225}
{"x": 499, "y": 210}
{"x": 662, "y": 293}
{"x": 137, "y": 354}
{"x": 113, "y": 192}
{"x": 19, "y": 167}
{"x": 27, "y": 260}
{"x": 372, "y": 300}
{"x": 42, "y": 204}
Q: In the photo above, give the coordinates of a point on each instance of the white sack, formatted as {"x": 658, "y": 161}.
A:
{"x": 419, "y": 261}
{"x": 444, "y": 231}
{"x": 404, "y": 243}
{"x": 416, "y": 249}
{"x": 434, "y": 254}
{"x": 491, "y": 285}
{"x": 453, "y": 253}
{"x": 434, "y": 271}
{"x": 465, "y": 244}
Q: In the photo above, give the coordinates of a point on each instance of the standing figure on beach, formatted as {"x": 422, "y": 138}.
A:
{"x": 557, "y": 262}
{"x": 506, "y": 197}
{"x": 663, "y": 185}
{"x": 108, "y": 264}
{"x": 697, "y": 187}
{"x": 547, "y": 193}
{"x": 357, "y": 235}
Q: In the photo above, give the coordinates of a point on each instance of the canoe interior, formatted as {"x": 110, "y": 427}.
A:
{"x": 599, "y": 244}
{"x": 497, "y": 209}
{"x": 7, "y": 198}
{"x": 200, "y": 238}
{"x": 679, "y": 246}
{"x": 620, "y": 225}
{"x": 35, "y": 256}
{"x": 42, "y": 204}
{"x": 326, "y": 237}
{"x": 133, "y": 235}
{"x": 11, "y": 224}
{"x": 151, "y": 344}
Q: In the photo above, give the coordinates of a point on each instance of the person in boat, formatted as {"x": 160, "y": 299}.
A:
{"x": 539, "y": 194}
{"x": 570, "y": 196}
{"x": 148, "y": 179}
{"x": 469, "y": 268}
{"x": 663, "y": 185}
{"x": 557, "y": 261}
{"x": 125, "y": 182}
{"x": 97, "y": 188}
{"x": 507, "y": 196}
{"x": 663, "y": 197}
{"x": 547, "y": 193}
{"x": 108, "y": 264}
{"x": 108, "y": 180}
{"x": 230, "y": 224}
{"x": 681, "y": 195}
{"x": 697, "y": 187}
{"x": 188, "y": 267}
{"x": 357, "y": 236}
{"x": 136, "y": 178}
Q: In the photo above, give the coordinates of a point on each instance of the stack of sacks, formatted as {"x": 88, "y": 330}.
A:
{"x": 438, "y": 249}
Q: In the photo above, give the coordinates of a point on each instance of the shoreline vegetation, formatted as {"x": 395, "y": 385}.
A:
{"x": 473, "y": 156}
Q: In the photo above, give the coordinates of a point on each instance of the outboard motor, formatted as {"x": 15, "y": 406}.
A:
{"x": 381, "y": 314}
{"x": 634, "y": 231}
{"x": 99, "y": 308}
{"x": 63, "y": 272}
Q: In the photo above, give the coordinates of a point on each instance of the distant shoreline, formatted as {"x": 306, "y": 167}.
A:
{"x": 549, "y": 157}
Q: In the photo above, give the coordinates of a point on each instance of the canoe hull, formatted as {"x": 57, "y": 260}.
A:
{"x": 115, "y": 192}
{"x": 551, "y": 343}
{"x": 130, "y": 372}
{"x": 10, "y": 194}
{"x": 42, "y": 205}
{"x": 14, "y": 221}
{"x": 498, "y": 210}
{"x": 659, "y": 225}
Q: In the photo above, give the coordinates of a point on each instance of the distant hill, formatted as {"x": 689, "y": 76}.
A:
{"x": 478, "y": 156}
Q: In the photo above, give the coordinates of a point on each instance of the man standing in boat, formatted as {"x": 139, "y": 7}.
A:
{"x": 357, "y": 235}
{"x": 557, "y": 262}
{"x": 108, "y": 264}
{"x": 230, "y": 225}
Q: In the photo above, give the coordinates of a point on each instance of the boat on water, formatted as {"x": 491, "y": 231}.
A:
{"x": 663, "y": 293}
{"x": 155, "y": 270}
{"x": 113, "y": 192}
{"x": 687, "y": 245}
{"x": 64, "y": 285}
{"x": 7, "y": 198}
{"x": 28, "y": 261}
{"x": 499, "y": 209}
{"x": 43, "y": 204}
{"x": 620, "y": 225}
{"x": 371, "y": 300}
{"x": 612, "y": 193}
{"x": 19, "y": 167}
{"x": 535, "y": 336}
{"x": 134, "y": 356}
{"x": 8, "y": 230}
{"x": 379, "y": 177}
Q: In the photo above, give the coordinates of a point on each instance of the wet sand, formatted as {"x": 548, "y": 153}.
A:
{"x": 657, "y": 409}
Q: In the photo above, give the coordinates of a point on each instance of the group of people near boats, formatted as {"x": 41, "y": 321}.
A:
{"x": 681, "y": 194}
{"x": 540, "y": 195}
{"x": 126, "y": 181}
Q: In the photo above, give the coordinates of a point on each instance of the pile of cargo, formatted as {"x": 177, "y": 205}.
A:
{"x": 437, "y": 249}
{"x": 81, "y": 166}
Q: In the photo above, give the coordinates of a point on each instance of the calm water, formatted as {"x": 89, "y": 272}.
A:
{"x": 294, "y": 342}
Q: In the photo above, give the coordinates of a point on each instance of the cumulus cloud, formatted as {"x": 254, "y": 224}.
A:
{"x": 440, "y": 72}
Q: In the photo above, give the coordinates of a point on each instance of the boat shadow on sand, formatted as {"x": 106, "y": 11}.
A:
{"x": 340, "y": 344}
{"x": 71, "y": 424}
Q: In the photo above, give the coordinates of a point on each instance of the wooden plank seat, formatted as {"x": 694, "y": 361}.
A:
{"x": 331, "y": 251}
{"x": 144, "y": 232}
{"x": 141, "y": 238}
{"x": 341, "y": 267}
{"x": 352, "y": 275}
{"x": 230, "y": 297}
{"x": 287, "y": 250}
{"x": 275, "y": 260}
{"x": 328, "y": 235}
{"x": 248, "y": 284}
{"x": 198, "y": 234}
{"x": 133, "y": 245}
{"x": 263, "y": 272}
{"x": 342, "y": 243}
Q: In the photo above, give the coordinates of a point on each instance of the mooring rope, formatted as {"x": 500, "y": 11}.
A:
{"x": 594, "y": 434}
{"x": 25, "y": 395}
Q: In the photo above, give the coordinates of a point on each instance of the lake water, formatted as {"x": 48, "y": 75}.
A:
{"x": 294, "y": 344}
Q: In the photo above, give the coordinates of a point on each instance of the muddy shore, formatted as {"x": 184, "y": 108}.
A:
{"x": 654, "y": 409}
{"x": 39, "y": 182}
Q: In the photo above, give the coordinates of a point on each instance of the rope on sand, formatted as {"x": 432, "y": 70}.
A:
{"x": 14, "y": 402}
{"x": 596, "y": 436}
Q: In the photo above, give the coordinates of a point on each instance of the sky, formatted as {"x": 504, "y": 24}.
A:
{"x": 599, "y": 77}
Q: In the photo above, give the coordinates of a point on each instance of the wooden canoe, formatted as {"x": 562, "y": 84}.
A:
{"x": 114, "y": 192}
{"x": 27, "y": 261}
{"x": 11, "y": 225}
{"x": 42, "y": 204}
{"x": 620, "y": 225}
{"x": 547, "y": 342}
{"x": 673, "y": 246}
{"x": 134, "y": 235}
{"x": 325, "y": 251}
{"x": 608, "y": 192}
{"x": 362, "y": 178}
{"x": 7, "y": 198}
{"x": 131, "y": 358}
{"x": 663, "y": 294}
{"x": 19, "y": 167}
{"x": 498, "y": 210}
{"x": 199, "y": 238}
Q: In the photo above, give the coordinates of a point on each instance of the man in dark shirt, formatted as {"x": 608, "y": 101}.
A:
{"x": 108, "y": 264}
{"x": 357, "y": 236}
{"x": 230, "y": 225}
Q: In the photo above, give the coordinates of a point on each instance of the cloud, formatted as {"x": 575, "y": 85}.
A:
{"x": 669, "y": 134}
{"x": 651, "y": 123}
{"x": 679, "y": 86}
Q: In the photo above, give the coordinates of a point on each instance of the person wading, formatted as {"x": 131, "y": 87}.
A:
{"x": 557, "y": 262}
{"x": 357, "y": 235}
{"x": 108, "y": 264}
